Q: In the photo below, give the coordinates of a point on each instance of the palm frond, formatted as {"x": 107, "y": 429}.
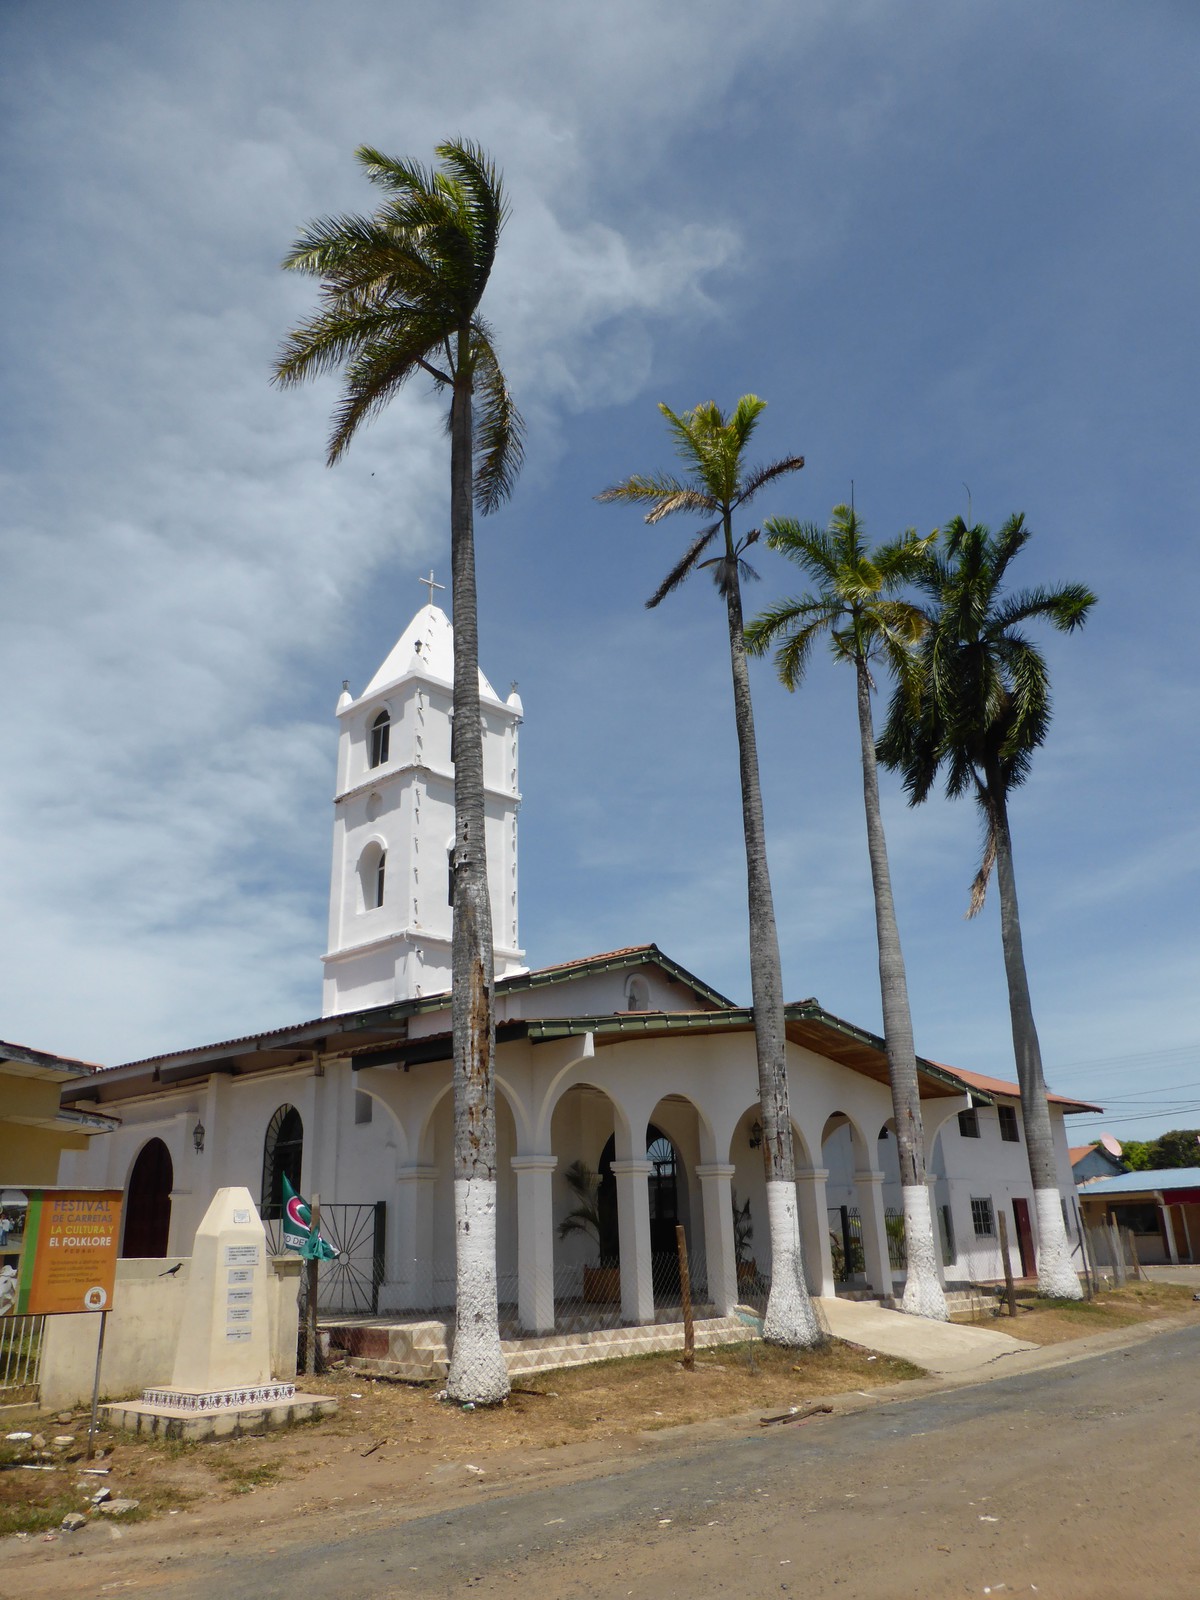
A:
{"x": 373, "y": 374}
{"x": 499, "y": 426}
{"x": 683, "y": 566}
{"x": 327, "y": 340}
{"x": 663, "y": 494}
{"x": 482, "y": 191}
{"x": 389, "y": 173}
{"x": 987, "y": 860}
{"x": 757, "y": 477}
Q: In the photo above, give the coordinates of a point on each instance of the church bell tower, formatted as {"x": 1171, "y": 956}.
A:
{"x": 390, "y": 917}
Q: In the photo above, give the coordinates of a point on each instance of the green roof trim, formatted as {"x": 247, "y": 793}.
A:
{"x": 640, "y": 955}
{"x": 813, "y": 1011}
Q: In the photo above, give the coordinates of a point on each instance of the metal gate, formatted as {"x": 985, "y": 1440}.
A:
{"x": 350, "y": 1282}
{"x": 845, "y": 1241}
{"x": 20, "y": 1359}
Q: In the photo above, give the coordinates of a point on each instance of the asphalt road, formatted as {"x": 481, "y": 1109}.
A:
{"x": 1083, "y": 1480}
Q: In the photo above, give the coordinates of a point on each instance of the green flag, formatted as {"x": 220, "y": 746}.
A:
{"x": 298, "y": 1231}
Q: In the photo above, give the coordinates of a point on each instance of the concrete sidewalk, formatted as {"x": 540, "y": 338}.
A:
{"x": 946, "y": 1349}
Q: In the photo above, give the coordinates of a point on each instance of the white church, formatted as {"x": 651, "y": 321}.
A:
{"x": 623, "y": 1062}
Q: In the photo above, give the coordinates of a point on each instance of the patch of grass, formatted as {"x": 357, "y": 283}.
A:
{"x": 38, "y": 1517}
{"x": 243, "y": 1479}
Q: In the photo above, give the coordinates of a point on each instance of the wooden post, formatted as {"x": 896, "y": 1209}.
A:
{"x": 1118, "y": 1255}
{"x": 310, "y": 1333}
{"x": 685, "y": 1296}
{"x": 1133, "y": 1255}
{"x": 1083, "y": 1251}
{"x": 1010, "y": 1288}
{"x": 91, "y": 1444}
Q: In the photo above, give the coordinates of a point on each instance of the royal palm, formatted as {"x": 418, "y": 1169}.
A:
{"x": 857, "y": 608}
{"x": 983, "y": 709}
{"x": 716, "y": 484}
{"x": 400, "y": 294}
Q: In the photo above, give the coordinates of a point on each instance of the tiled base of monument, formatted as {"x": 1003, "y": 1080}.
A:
{"x": 183, "y": 1414}
{"x": 260, "y": 1394}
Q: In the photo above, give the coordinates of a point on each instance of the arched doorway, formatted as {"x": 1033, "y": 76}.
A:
{"x": 148, "y": 1202}
{"x": 663, "y": 1193}
{"x": 283, "y": 1153}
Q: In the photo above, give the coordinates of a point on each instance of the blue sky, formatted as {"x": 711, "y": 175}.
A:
{"x": 951, "y": 245}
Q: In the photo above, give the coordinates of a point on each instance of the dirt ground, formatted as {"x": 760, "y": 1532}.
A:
{"x": 392, "y": 1440}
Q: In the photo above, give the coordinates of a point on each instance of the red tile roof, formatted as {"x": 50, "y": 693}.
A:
{"x": 1012, "y": 1091}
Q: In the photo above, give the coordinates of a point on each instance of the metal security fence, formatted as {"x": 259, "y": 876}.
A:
{"x": 350, "y": 1282}
{"x": 588, "y": 1297}
{"x": 20, "y": 1358}
{"x": 893, "y": 1222}
{"x": 846, "y": 1243}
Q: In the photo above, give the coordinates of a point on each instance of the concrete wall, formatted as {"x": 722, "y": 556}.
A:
{"x": 29, "y": 1157}
{"x": 143, "y": 1329}
{"x": 994, "y": 1169}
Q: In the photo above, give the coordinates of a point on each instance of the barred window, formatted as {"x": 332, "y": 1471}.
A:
{"x": 983, "y": 1217}
{"x": 283, "y": 1150}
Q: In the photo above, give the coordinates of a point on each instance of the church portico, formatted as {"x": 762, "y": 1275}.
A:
{"x": 626, "y": 1086}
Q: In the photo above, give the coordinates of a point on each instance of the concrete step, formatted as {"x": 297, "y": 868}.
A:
{"x": 970, "y": 1303}
{"x": 410, "y": 1352}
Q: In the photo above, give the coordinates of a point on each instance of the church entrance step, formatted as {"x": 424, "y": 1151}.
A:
{"x": 419, "y": 1352}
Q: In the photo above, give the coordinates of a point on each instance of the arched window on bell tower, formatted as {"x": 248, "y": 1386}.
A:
{"x": 372, "y": 871}
{"x": 380, "y": 737}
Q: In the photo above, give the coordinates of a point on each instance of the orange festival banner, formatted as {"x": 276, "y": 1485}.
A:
{"x": 69, "y": 1254}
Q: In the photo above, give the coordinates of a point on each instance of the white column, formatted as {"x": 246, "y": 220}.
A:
{"x": 633, "y": 1224}
{"x": 414, "y": 1231}
{"x": 1187, "y": 1234}
{"x": 186, "y": 1213}
{"x": 205, "y": 1165}
{"x": 874, "y": 1231}
{"x": 535, "y": 1241}
{"x": 716, "y": 1189}
{"x": 814, "y": 1230}
{"x": 936, "y": 1219}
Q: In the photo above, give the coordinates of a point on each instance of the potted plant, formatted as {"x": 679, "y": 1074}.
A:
{"x": 601, "y": 1283}
{"x": 743, "y": 1235}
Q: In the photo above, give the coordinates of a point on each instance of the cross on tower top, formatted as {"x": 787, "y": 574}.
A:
{"x": 431, "y": 585}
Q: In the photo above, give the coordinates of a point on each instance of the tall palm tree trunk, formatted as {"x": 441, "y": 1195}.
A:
{"x": 923, "y": 1292}
{"x": 477, "y": 1367}
{"x": 790, "y": 1318}
{"x": 1056, "y": 1274}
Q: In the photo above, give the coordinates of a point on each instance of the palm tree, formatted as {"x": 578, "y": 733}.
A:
{"x": 983, "y": 709}
{"x": 400, "y": 294}
{"x": 857, "y": 607}
{"x": 716, "y": 484}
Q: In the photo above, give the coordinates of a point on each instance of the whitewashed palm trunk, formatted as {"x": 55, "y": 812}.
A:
{"x": 923, "y": 1292}
{"x": 1056, "y": 1273}
{"x": 477, "y": 1368}
{"x": 790, "y": 1318}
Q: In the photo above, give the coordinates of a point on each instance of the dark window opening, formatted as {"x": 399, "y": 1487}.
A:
{"x": 283, "y": 1152}
{"x": 380, "y": 737}
{"x": 968, "y": 1124}
{"x": 983, "y": 1218}
{"x": 1010, "y": 1130}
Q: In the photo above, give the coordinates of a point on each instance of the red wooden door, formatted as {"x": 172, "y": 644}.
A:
{"x": 1024, "y": 1237}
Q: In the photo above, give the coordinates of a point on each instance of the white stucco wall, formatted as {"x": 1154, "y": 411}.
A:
{"x": 143, "y": 1331}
